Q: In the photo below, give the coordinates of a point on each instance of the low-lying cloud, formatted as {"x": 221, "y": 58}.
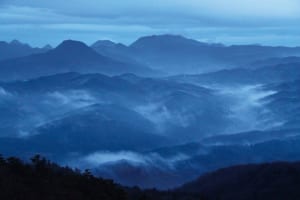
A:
{"x": 23, "y": 114}
{"x": 104, "y": 158}
{"x": 162, "y": 117}
{"x": 247, "y": 110}
{"x": 74, "y": 99}
{"x": 4, "y": 93}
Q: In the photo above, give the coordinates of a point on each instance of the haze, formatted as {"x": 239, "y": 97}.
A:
{"x": 268, "y": 22}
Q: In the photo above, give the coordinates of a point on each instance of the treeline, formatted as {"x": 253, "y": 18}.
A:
{"x": 43, "y": 180}
{"x": 275, "y": 181}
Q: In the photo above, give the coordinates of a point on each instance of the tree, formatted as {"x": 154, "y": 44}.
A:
{"x": 40, "y": 164}
{"x": 2, "y": 160}
{"x": 87, "y": 173}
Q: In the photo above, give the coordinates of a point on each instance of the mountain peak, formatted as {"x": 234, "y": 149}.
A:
{"x": 165, "y": 40}
{"x": 71, "y": 44}
{"x": 106, "y": 43}
{"x": 16, "y": 42}
{"x": 47, "y": 47}
{"x": 72, "y": 48}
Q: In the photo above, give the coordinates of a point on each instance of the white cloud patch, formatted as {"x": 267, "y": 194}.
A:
{"x": 3, "y": 92}
{"x": 162, "y": 117}
{"x": 74, "y": 99}
{"x": 248, "y": 111}
{"x": 138, "y": 159}
{"x": 51, "y": 106}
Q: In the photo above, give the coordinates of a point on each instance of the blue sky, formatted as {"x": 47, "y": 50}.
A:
{"x": 269, "y": 22}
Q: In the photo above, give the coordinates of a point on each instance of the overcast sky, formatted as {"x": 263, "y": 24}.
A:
{"x": 269, "y": 22}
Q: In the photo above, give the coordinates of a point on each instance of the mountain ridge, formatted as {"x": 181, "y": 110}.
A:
{"x": 69, "y": 56}
{"x": 15, "y": 48}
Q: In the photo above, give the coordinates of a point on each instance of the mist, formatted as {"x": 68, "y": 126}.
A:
{"x": 247, "y": 108}
{"x": 106, "y": 158}
{"x": 3, "y": 93}
{"x": 162, "y": 117}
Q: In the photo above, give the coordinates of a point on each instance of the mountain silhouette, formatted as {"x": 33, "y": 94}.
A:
{"x": 69, "y": 56}
{"x": 175, "y": 54}
{"x": 279, "y": 180}
{"x": 17, "y": 49}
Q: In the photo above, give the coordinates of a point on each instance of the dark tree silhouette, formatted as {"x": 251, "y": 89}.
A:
{"x": 42, "y": 179}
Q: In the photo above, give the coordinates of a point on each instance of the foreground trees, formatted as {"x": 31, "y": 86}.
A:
{"x": 42, "y": 179}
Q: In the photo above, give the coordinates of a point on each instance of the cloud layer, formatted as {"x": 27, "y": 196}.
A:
{"x": 229, "y": 21}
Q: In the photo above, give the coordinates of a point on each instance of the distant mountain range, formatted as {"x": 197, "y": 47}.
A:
{"x": 17, "y": 49}
{"x": 148, "y": 56}
{"x": 279, "y": 70}
{"x": 69, "y": 56}
{"x": 175, "y": 54}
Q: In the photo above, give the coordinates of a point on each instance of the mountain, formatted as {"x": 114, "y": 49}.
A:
{"x": 285, "y": 103}
{"x": 196, "y": 159}
{"x": 274, "y": 61}
{"x": 176, "y": 54}
{"x": 117, "y": 51}
{"x": 16, "y": 49}
{"x": 168, "y": 54}
{"x": 70, "y": 81}
{"x": 95, "y": 128}
{"x": 173, "y": 108}
{"x": 244, "y": 76}
{"x": 252, "y": 137}
{"x": 279, "y": 180}
{"x": 69, "y": 56}
{"x": 84, "y": 131}
{"x": 110, "y": 49}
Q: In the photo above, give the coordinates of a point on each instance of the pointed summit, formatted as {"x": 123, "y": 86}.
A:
{"x": 75, "y": 49}
{"x": 47, "y": 47}
{"x": 15, "y": 48}
{"x": 101, "y": 43}
{"x": 16, "y": 42}
{"x": 69, "y": 56}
